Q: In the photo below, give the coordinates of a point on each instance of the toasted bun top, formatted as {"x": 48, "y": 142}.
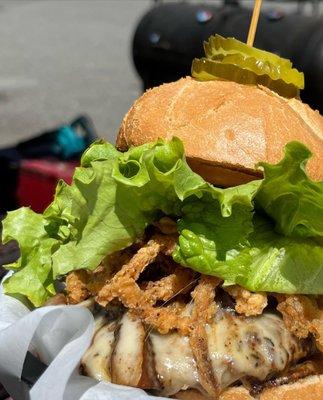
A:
{"x": 226, "y": 127}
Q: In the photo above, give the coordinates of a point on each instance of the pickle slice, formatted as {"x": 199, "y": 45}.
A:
{"x": 231, "y": 59}
{"x": 205, "y": 70}
{"x": 259, "y": 67}
{"x": 218, "y": 45}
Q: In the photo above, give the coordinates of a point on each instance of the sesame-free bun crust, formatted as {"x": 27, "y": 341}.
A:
{"x": 226, "y": 127}
{"x": 310, "y": 388}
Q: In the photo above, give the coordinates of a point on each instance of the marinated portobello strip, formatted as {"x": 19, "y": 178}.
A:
{"x": 96, "y": 360}
{"x": 128, "y": 353}
{"x": 249, "y": 349}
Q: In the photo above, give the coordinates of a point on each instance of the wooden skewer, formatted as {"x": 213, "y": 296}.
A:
{"x": 254, "y": 22}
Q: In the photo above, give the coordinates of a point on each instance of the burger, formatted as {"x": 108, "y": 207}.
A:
{"x": 196, "y": 242}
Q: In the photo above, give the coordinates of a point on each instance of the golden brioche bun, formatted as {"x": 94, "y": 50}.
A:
{"x": 226, "y": 127}
{"x": 310, "y": 388}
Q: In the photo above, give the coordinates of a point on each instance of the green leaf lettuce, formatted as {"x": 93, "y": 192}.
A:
{"x": 114, "y": 196}
{"x": 290, "y": 197}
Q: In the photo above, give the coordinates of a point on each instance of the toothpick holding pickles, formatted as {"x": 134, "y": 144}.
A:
{"x": 230, "y": 59}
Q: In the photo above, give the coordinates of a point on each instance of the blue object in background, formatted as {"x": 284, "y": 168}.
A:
{"x": 66, "y": 142}
{"x": 69, "y": 143}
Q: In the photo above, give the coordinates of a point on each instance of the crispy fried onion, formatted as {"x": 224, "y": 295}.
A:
{"x": 199, "y": 346}
{"x": 76, "y": 286}
{"x": 247, "y": 303}
{"x": 177, "y": 282}
{"x": 203, "y": 295}
{"x": 204, "y": 309}
{"x": 82, "y": 284}
{"x": 142, "y": 302}
{"x": 302, "y": 315}
{"x": 123, "y": 284}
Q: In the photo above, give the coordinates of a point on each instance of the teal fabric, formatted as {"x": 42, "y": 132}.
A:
{"x": 69, "y": 142}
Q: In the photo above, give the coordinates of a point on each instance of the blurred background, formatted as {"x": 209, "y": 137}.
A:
{"x": 66, "y": 57}
{"x": 70, "y": 70}
{"x": 62, "y": 58}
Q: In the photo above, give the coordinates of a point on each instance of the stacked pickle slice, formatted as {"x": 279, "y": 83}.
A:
{"x": 233, "y": 60}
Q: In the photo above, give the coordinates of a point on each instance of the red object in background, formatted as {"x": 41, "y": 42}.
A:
{"x": 38, "y": 179}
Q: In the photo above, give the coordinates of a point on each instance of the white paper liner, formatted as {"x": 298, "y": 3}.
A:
{"x": 60, "y": 335}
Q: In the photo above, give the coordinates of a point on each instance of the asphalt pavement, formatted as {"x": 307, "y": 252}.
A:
{"x": 60, "y": 58}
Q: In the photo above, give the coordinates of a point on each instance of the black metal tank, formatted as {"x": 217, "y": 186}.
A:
{"x": 170, "y": 35}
